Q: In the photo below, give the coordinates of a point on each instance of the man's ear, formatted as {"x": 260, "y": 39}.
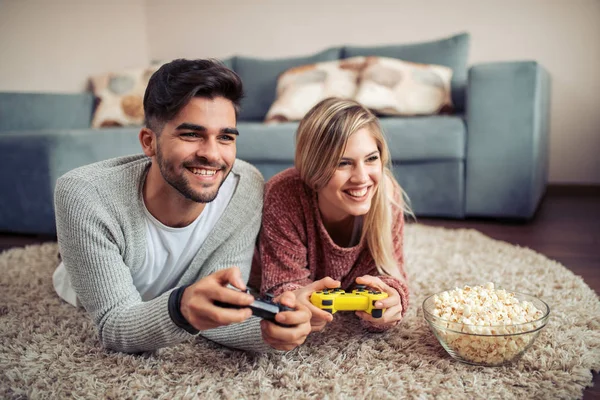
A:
{"x": 148, "y": 141}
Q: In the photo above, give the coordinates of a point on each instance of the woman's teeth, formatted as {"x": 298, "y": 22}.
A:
{"x": 357, "y": 193}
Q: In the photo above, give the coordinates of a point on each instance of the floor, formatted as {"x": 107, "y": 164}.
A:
{"x": 566, "y": 228}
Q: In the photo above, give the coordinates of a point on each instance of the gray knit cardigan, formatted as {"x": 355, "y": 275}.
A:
{"x": 101, "y": 234}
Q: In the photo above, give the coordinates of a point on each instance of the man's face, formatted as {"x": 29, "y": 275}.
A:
{"x": 196, "y": 150}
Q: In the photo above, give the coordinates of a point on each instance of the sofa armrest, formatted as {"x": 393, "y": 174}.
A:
{"x": 31, "y": 111}
{"x": 32, "y": 161}
{"x": 508, "y": 108}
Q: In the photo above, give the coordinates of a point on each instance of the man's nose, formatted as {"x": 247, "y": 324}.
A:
{"x": 209, "y": 149}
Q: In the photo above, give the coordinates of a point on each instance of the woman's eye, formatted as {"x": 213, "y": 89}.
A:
{"x": 373, "y": 158}
{"x": 344, "y": 163}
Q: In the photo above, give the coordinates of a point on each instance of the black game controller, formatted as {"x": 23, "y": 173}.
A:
{"x": 262, "y": 307}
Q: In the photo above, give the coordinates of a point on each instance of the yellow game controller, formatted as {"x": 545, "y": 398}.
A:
{"x": 361, "y": 299}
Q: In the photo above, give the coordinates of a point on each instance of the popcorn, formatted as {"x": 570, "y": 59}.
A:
{"x": 484, "y": 325}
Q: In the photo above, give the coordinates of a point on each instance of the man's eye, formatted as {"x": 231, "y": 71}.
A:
{"x": 189, "y": 134}
{"x": 227, "y": 138}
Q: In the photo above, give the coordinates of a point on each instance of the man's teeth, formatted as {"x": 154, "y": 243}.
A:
{"x": 357, "y": 193}
{"x": 202, "y": 171}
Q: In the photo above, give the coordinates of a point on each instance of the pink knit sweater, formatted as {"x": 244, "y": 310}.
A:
{"x": 295, "y": 249}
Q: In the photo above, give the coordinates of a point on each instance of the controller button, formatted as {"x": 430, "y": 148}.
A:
{"x": 329, "y": 310}
{"x": 327, "y": 302}
{"x": 377, "y": 313}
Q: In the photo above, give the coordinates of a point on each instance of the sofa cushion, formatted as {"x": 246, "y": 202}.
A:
{"x": 438, "y": 137}
{"x": 387, "y": 86}
{"x": 394, "y": 87}
{"x": 300, "y": 88}
{"x": 260, "y": 79}
{"x": 452, "y": 52}
{"x": 120, "y": 96}
{"x": 32, "y": 161}
{"x": 31, "y": 111}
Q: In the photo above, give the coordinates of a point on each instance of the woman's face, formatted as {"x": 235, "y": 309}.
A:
{"x": 350, "y": 191}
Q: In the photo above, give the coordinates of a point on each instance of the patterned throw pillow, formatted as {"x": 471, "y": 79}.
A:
{"x": 394, "y": 87}
{"x": 385, "y": 85}
{"x": 300, "y": 88}
{"x": 121, "y": 97}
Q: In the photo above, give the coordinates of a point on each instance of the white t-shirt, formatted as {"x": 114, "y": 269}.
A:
{"x": 169, "y": 251}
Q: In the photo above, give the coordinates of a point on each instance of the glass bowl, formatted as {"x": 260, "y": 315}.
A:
{"x": 489, "y": 346}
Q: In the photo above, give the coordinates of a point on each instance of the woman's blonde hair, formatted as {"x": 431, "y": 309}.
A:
{"x": 321, "y": 141}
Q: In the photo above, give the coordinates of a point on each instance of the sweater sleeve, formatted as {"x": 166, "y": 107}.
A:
{"x": 400, "y": 284}
{"x": 282, "y": 242}
{"x": 91, "y": 244}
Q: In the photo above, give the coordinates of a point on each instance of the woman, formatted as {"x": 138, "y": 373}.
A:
{"x": 337, "y": 217}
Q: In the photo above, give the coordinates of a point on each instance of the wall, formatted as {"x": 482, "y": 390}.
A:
{"x": 83, "y": 37}
{"x": 55, "y": 45}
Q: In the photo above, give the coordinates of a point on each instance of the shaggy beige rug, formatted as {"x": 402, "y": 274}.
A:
{"x": 50, "y": 350}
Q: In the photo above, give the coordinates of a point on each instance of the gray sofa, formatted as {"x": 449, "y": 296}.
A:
{"x": 490, "y": 159}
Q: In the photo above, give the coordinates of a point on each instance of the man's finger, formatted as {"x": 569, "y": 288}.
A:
{"x": 227, "y": 316}
{"x": 231, "y": 297}
{"x": 288, "y": 299}
{"x": 287, "y": 334}
{"x": 213, "y": 317}
{"x": 317, "y": 326}
{"x": 284, "y": 338}
{"x": 230, "y": 275}
{"x": 278, "y": 344}
{"x": 320, "y": 314}
{"x": 293, "y": 318}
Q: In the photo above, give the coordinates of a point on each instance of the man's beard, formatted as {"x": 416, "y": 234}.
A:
{"x": 182, "y": 184}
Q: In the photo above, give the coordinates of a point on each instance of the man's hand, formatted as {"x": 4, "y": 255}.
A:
{"x": 392, "y": 304}
{"x": 320, "y": 318}
{"x": 197, "y": 302}
{"x": 297, "y": 329}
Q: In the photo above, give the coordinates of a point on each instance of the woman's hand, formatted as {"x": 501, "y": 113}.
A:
{"x": 320, "y": 318}
{"x": 392, "y": 304}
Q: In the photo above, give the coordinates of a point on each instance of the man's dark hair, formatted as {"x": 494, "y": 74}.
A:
{"x": 174, "y": 84}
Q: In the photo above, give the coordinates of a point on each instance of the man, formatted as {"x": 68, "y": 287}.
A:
{"x": 149, "y": 242}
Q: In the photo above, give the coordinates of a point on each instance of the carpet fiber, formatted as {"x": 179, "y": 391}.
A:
{"x": 50, "y": 350}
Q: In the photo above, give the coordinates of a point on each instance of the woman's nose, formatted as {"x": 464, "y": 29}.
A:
{"x": 360, "y": 173}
